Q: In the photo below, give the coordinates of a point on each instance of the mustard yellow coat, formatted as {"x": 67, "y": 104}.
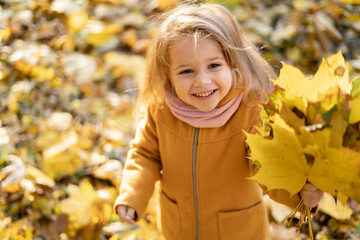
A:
{"x": 205, "y": 193}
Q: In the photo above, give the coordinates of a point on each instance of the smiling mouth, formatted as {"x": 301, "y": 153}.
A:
{"x": 206, "y": 94}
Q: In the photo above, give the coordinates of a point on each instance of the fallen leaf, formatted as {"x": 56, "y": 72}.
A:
{"x": 4, "y": 137}
{"x": 62, "y": 158}
{"x": 5, "y": 33}
{"x": 39, "y": 177}
{"x": 86, "y": 206}
{"x": 79, "y": 205}
{"x": 129, "y": 37}
{"x": 79, "y": 66}
{"x": 77, "y": 21}
{"x": 125, "y": 65}
{"x": 59, "y": 121}
{"x": 333, "y": 208}
{"x": 15, "y": 172}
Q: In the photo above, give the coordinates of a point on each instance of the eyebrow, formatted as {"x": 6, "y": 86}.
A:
{"x": 209, "y": 59}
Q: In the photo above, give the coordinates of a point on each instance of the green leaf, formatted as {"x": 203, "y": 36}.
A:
{"x": 355, "y": 88}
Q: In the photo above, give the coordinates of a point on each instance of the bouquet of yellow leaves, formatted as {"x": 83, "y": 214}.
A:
{"x": 310, "y": 132}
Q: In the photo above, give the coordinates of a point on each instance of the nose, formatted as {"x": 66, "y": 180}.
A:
{"x": 202, "y": 79}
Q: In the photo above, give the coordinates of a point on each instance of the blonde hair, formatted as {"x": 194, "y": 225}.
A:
{"x": 205, "y": 20}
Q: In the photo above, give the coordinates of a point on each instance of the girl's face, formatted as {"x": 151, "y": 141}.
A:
{"x": 199, "y": 72}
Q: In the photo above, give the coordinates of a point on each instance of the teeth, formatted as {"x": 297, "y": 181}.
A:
{"x": 204, "y": 94}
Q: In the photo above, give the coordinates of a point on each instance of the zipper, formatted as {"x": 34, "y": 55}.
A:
{"x": 194, "y": 153}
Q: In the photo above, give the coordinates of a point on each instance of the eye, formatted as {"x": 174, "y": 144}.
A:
{"x": 186, "y": 71}
{"x": 214, "y": 65}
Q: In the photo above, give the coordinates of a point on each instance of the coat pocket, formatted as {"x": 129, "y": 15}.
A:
{"x": 170, "y": 217}
{"x": 244, "y": 224}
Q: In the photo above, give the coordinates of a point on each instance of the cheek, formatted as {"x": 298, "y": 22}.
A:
{"x": 179, "y": 87}
{"x": 174, "y": 83}
{"x": 226, "y": 80}
{"x": 183, "y": 88}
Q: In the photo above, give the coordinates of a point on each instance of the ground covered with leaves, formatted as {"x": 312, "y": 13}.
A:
{"x": 68, "y": 73}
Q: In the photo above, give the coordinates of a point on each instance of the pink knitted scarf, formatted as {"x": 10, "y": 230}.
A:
{"x": 196, "y": 118}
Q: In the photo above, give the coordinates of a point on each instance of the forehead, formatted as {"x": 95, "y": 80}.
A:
{"x": 190, "y": 47}
{"x": 186, "y": 40}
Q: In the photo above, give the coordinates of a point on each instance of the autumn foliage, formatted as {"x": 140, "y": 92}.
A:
{"x": 310, "y": 133}
{"x": 68, "y": 76}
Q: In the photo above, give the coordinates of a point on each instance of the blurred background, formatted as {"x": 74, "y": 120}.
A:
{"x": 68, "y": 76}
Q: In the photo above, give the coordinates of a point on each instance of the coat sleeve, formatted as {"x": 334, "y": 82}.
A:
{"x": 279, "y": 195}
{"x": 142, "y": 167}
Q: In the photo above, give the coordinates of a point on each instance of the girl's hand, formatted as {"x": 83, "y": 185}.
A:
{"x": 311, "y": 195}
{"x": 126, "y": 214}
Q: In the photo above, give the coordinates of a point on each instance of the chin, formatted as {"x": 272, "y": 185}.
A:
{"x": 208, "y": 109}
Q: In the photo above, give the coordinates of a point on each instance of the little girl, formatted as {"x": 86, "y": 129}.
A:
{"x": 202, "y": 89}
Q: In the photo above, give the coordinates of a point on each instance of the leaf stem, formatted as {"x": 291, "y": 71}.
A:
{"x": 309, "y": 221}
{"x": 305, "y": 214}
{"x": 292, "y": 214}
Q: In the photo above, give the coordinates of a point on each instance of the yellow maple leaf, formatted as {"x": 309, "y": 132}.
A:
{"x": 353, "y": 191}
{"x": 355, "y": 111}
{"x": 263, "y": 128}
{"x": 288, "y": 160}
{"x": 333, "y": 73}
{"x": 335, "y": 169}
{"x": 287, "y": 113}
{"x": 312, "y": 136}
{"x": 282, "y": 159}
{"x": 338, "y": 129}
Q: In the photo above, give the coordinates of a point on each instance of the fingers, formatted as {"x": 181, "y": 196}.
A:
{"x": 126, "y": 214}
{"x": 121, "y": 211}
{"x": 130, "y": 215}
{"x": 310, "y": 187}
{"x": 311, "y": 195}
